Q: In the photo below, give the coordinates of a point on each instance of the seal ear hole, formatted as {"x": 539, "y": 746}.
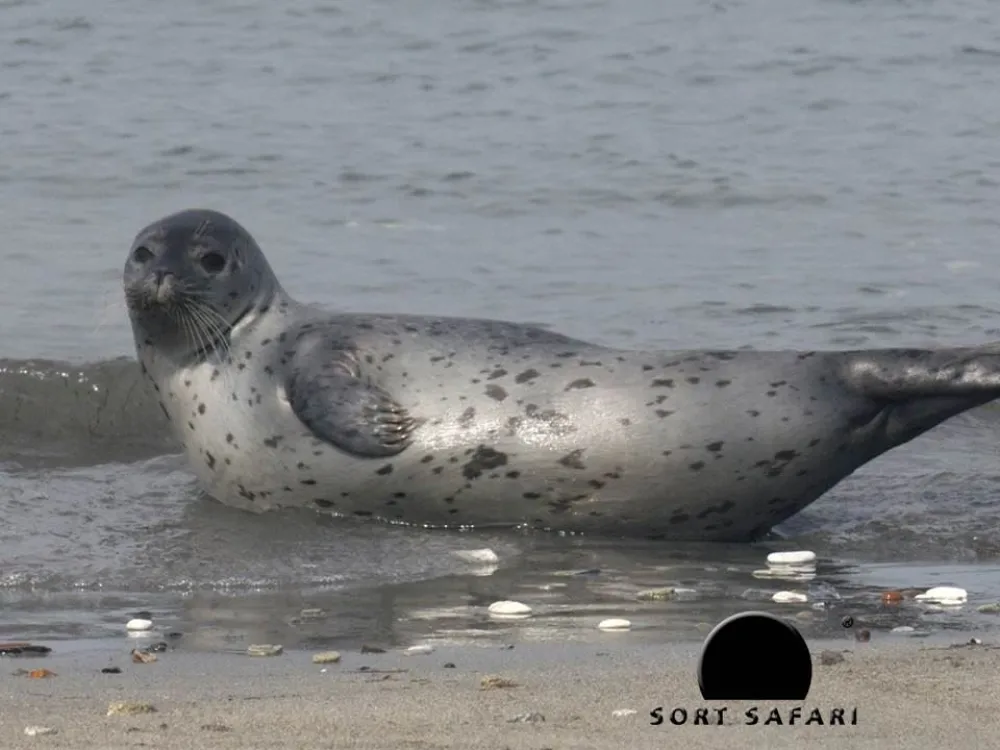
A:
{"x": 142, "y": 254}
{"x": 213, "y": 262}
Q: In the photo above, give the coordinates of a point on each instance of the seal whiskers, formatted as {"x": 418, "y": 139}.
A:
{"x": 460, "y": 422}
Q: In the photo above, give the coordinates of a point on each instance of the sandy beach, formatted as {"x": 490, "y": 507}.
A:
{"x": 912, "y": 694}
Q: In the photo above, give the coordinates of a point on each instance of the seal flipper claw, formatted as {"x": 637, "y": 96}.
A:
{"x": 355, "y": 416}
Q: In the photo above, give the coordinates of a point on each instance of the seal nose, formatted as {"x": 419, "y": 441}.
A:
{"x": 160, "y": 275}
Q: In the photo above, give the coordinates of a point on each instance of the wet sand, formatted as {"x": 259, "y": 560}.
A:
{"x": 909, "y": 693}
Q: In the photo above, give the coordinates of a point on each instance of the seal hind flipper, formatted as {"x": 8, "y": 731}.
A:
{"x": 356, "y": 416}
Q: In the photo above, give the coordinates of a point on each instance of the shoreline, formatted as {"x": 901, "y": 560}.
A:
{"x": 916, "y": 693}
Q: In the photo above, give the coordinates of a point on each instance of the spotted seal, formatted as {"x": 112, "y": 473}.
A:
{"x": 465, "y": 422}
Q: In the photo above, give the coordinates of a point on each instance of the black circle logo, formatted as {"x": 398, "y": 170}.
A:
{"x": 755, "y": 656}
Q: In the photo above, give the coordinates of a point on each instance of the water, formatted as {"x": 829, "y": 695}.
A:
{"x": 814, "y": 173}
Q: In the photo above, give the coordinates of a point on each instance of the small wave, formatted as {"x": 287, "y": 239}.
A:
{"x": 55, "y": 413}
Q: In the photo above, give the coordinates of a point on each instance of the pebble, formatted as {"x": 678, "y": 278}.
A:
{"x": 111, "y": 670}
{"x": 142, "y": 657}
{"x": 495, "y": 682}
{"x": 264, "y": 649}
{"x": 656, "y": 595}
{"x": 619, "y": 713}
{"x": 39, "y": 731}
{"x": 139, "y": 625}
{"x": 527, "y": 718}
{"x": 448, "y": 665}
{"x": 829, "y": 658}
{"x": 419, "y": 649}
{"x": 366, "y": 649}
{"x": 127, "y": 708}
{"x": 23, "y": 649}
{"x": 485, "y": 555}
{"x": 798, "y": 557}
{"x": 989, "y": 609}
{"x": 614, "y": 623}
{"x": 863, "y": 635}
{"x": 891, "y": 597}
{"x": 789, "y": 597}
{"x": 944, "y": 595}
{"x": 326, "y": 657}
{"x": 41, "y": 673}
{"x": 509, "y": 609}
{"x": 903, "y": 629}
{"x": 312, "y": 614}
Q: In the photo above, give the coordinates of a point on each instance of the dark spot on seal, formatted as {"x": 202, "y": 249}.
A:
{"x": 272, "y": 442}
{"x": 363, "y": 513}
{"x": 496, "y": 392}
{"x": 301, "y": 465}
{"x": 714, "y": 447}
{"x": 785, "y": 455}
{"x": 483, "y": 459}
{"x": 513, "y": 474}
{"x": 779, "y": 383}
{"x": 191, "y": 425}
{"x": 722, "y": 383}
{"x": 497, "y": 373}
{"x": 661, "y": 413}
{"x": 697, "y": 466}
{"x": 693, "y": 380}
{"x": 245, "y": 493}
{"x": 426, "y": 459}
{"x": 527, "y": 376}
{"x": 437, "y": 470}
{"x": 321, "y": 503}
{"x": 384, "y": 470}
{"x": 772, "y": 393}
{"x": 814, "y": 442}
{"x": 531, "y": 496}
{"x": 662, "y": 383}
{"x": 164, "y": 410}
{"x": 210, "y": 460}
{"x": 467, "y": 417}
{"x": 753, "y": 412}
{"x": 229, "y": 437}
{"x": 625, "y": 421}
{"x": 308, "y": 482}
{"x": 581, "y": 383}
{"x": 596, "y": 483}
{"x": 647, "y": 368}
{"x": 679, "y": 518}
{"x": 572, "y": 460}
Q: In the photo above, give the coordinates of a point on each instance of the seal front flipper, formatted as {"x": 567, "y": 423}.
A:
{"x": 340, "y": 407}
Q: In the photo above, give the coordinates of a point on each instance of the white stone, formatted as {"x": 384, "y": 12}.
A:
{"x": 621, "y": 712}
{"x": 139, "y": 625}
{"x": 789, "y": 597}
{"x": 485, "y": 555}
{"x": 614, "y": 623}
{"x": 797, "y": 557}
{"x": 509, "y": 609}
{"x": 39, "y": 731}
{"x": 944, "y": 595}
{"x": 418, "y": 650}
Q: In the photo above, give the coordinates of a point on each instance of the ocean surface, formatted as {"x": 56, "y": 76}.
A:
{"x": 795, "y": 173}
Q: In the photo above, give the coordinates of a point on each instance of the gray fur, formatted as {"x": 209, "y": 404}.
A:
{"x": 458, "y": 422}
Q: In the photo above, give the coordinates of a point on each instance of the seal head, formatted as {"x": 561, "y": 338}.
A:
{"x": 190, "y": 279}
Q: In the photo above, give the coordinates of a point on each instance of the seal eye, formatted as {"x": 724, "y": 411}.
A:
{"x": 213, "y": 262}
{"x": 142, "y": 254}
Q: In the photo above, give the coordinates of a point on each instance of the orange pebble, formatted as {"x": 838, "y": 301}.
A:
{"x": 39, "y": 673}
{"x": 892, "y": 597}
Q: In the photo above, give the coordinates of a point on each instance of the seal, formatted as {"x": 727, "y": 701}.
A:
{"x": 451, "y": 422}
